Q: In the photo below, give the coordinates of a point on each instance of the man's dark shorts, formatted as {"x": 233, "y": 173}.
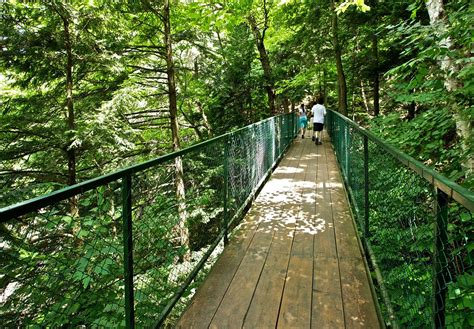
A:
{"x": 318, "y": 126}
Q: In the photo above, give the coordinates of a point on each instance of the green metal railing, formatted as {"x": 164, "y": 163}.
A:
{"x": 416, "y": 226}
{"x": 113, "y": 251}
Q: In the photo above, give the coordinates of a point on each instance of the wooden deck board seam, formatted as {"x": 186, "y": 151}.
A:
{"x": 233, "y": 276}
{"x": 289, "y": 258}
{"x": 289, "y": 191}
{"x": 258, "y": 280}
{"x": 313, "y": 273}
{"x": 286, "y": 278}
{"x": 336, "y": 244}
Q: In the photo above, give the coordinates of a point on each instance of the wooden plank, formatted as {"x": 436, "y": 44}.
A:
{"x": 325, "y": 242}
{"x": 263, "y": 310}
{"x": 359, "y": 307}
{"x": 236, "y": 301}
{"x": 295, "y": 311}
{"x": 346, "y": 240}
{"x": 209, "y": 295}
{"x": 327, "y": 309}
{"x": 358, "y": 303}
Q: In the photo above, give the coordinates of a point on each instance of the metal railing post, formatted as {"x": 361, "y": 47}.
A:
{"x": 292, "y": 130}
{"x": 366, "y": 188}
{"x": 226, "y": 191}
{"x": 337, "y": 137}
{"x": 341, "y": 143}
{"x": 278, "y": 136}
{"x": 440, "y": 262}
{"x": 128, "y": 250}
{"x": 346, "y": 152}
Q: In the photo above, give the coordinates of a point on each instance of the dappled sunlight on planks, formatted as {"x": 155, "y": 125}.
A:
{"x": 294, "y": 261}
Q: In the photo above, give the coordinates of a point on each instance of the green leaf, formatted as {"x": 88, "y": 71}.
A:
{"x": 86, "y": 281}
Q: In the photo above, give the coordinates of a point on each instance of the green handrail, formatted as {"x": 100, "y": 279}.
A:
{"x": 416, "y": 225}
{"x": 119, "y": 259}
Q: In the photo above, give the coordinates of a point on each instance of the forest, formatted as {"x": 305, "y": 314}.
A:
{"x": 88, "y": 87}
{"x": 91, "y": 87}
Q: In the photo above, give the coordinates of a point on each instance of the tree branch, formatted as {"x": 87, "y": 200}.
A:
{"x": 138, "y": 67}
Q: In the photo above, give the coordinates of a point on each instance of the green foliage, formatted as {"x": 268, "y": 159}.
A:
{"x": 64, "y": 270}
{"x": 300, "y": 46}
{"x": 122, "y": 117}
{"x": 430, "y": 137}
{"x": 35, "y": 135}
{"x": 461, "y": 302}
{"x": 402, "y": 238}
{"x": 236, "y": 96}
{"x": 360, "y": 4}
{"x": 404, "y": 231}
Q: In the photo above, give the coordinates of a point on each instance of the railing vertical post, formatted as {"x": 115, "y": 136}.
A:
{"x": 366, "y": 188}
{"x": 288, "y": 129}
{"x": 346, "y": 152}
{"x": 440, "y": 261}
{"x": 338, "y": 139}
{"x": 341, "y": 145}
{"x": 128, "y": 250}
{"x": 277, "y": 138}
{"x": 293, "y": 125}
{"x": 330, "y": 126}
{"x": 226, "y": 190}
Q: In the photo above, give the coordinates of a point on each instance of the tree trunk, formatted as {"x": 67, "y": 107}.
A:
{"x": 364, "y": 97}
{"x": 325, "y": 94}
{"x": 376, "y": 82}
{"x": 70, "y": 105}
{"x": 411, "y": 111}
{"x": 205, "y": 121}
{"x": 267, "y": 69}
{"x": 71, "y": 125}
{"x": 375, "y": 57}
{"x": 180, "y": 228}
{"x": 463, "y": 127}
{"x": 438, "y": 22}
{"x": 341, "y": 78}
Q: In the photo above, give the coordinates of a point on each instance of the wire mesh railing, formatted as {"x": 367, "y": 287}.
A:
{"x": 417, "y": 228}
{"x": 123, "y": 249}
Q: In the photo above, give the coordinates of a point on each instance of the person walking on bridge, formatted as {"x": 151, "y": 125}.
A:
{"x": 318, "y": 111}
{"x": 303, "y": 120}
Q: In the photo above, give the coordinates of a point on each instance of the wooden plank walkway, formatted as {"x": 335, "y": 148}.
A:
{"x": 295, "y": 260}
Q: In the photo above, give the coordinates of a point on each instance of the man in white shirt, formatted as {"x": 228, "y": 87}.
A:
{"x": 318, "y": 111}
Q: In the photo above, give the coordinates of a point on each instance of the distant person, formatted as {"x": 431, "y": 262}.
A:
{"x": 303, "y": 120}
{"x": 319, "y": 111}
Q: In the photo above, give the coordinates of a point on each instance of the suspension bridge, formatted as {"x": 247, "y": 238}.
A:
{"x": 295, "y": 262}
{"x": 268, "y": 230}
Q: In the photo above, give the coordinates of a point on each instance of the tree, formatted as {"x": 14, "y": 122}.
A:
{"x": 341, "y": 78}
{"x": 375, "y": 60}
{"x": 452, "y": 83}
{"x": 57, "y": 62}
{"x": 259, "y": 35}
{"x": 164, "y": 16}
